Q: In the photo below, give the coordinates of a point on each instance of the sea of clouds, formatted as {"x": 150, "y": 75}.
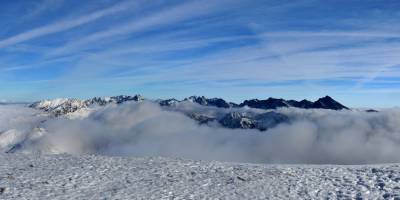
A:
{"x": 313, "y": 136}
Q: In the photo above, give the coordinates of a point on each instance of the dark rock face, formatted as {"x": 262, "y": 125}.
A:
{"x": 328, "y": 103}
{"x": 233, "y": 105}
{"x": 270, "y": 120}
{"x": 122, "y": 98}
{"x": 67, "y": 107}
{"x": 195, "y": 99}
{"x": 371, "y": 111}
{"x": 217, "y": 102}
{"x": 201, "y": 119}
{"x": 271, "y": 103}
{"x": 261, "y": 122}
{"x": 237, "y": 120}
{"x": 115, "y": 99}
{"x": 220, "y": 103}
{"x": 97, "y": 100}
{"x": 300, "y": 104}
{"x": 168, "y": 102}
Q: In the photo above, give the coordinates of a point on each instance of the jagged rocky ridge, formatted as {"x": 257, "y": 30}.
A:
{"x": 272, "y": 103}
{"x": 64, "y": 106}
{"x": 326, "y": 102}
{"x": 233, "y": 117}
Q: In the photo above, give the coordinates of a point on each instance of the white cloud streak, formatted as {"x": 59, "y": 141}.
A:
{"x": 155, "y": 20}
{"x": 41, "y": 7}
{"x": 65, "y": 25}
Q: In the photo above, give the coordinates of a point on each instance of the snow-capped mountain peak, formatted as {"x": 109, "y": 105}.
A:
{"x": 62, "y": 106}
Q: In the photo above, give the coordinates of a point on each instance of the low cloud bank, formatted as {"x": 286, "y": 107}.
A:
{"x": 146, "y": 129}
{"x": 18, "y": 117}
{"x": 17, "y": 126}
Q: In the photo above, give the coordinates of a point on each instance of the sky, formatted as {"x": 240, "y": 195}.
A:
{"x": 235, "y": 49}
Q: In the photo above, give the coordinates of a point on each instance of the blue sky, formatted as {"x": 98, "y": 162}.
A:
{"x": 236, "y": 49}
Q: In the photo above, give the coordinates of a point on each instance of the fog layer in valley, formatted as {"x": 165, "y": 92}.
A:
{"x": 313, "y": 136}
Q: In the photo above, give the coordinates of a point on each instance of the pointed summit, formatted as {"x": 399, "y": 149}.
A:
{"x": 328, "y": 102}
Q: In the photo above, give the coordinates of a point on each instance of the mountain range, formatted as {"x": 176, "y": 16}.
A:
{"x": 63, "y": 106}
{"x": 326, "y": 102}
{"x": 232, "y": 115}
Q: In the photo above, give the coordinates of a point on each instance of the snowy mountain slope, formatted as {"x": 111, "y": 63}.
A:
{"x": 64, "y": 106}
{"x": 95, "y": 177}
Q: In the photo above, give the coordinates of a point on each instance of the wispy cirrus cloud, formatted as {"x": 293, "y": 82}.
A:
{"x": 166, "y": 16}
{"x": 65, "y": 25}
{"x": 42, "y": 7}
{"x": 268, "y": 47}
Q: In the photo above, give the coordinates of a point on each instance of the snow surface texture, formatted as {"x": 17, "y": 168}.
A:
{"x": 147, "y": 129}
{"x": 96, "y": 177}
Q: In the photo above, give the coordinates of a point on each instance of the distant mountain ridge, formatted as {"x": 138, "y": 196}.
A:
{"x": 233, "y": 117}
{"x": 64, "y": 106}
{"x": 326, "y": 102}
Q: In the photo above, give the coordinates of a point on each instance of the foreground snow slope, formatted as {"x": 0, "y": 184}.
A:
{"x": 96, "y": 177}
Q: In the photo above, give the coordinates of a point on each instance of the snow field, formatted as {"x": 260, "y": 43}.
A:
{"x": 30, "y": 176}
